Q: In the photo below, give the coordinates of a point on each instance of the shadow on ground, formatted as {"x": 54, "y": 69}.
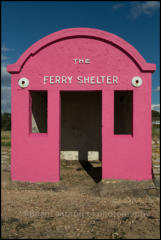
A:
{"x": 94, "y": 172}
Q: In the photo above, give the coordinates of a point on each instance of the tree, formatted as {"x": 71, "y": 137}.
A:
{"x": 155, "y": 115}
{"x": 6, "y": 121}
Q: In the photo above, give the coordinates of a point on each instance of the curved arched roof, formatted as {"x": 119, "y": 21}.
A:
{"x": 88, "y": 33}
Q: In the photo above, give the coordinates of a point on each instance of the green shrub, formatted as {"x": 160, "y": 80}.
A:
{"x": 156, "y": 131}
{"x": 6, "y": 144}
{"x": 6, "y": 121}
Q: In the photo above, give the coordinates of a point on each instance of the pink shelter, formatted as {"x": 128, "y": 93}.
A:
{"x": 85, "y": 91}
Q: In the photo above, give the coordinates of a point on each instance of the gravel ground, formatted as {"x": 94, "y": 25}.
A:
{"x": 79, "y": 206}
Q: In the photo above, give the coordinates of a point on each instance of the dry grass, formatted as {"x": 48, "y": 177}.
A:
{"x": 70, "y": 214}
{"x": 78, "y": 207}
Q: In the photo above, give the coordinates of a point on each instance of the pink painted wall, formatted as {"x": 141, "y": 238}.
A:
{"x": 35, "y": 157}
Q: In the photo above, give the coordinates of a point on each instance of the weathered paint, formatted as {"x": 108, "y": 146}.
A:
{"x": 35, "y": 157}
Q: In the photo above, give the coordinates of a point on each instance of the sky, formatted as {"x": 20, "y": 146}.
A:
{"x": 25, "y": 22}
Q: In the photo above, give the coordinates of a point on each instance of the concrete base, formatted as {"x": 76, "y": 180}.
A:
{"x": 74, "y": 155}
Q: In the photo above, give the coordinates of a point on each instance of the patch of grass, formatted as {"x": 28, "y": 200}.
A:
{"x": 5, "y": 134}
{"x": 156, "y": 131}
{"x": 5, "y": 144}
{"x": 6, "y": 138}
{"x": 12, "y": 219}
{"x": 23, "y": 225}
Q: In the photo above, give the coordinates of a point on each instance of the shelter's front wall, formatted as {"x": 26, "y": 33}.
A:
{"x": 128, "y": 156}
{"x": 57, "y": 60}
{"x": 35, "y": 157}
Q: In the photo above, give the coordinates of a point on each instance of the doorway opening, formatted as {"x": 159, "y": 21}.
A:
{"x": 81, "y": 131}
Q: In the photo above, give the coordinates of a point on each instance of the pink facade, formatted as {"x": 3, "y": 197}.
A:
{"x": 35, "y": 157}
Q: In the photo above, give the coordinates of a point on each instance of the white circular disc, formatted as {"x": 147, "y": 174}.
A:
{"x": 136, "y": 81}
{"x": 23, "y": 82}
